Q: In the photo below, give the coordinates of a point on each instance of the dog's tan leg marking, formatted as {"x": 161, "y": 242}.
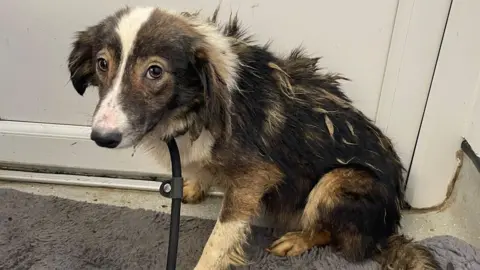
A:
{"x": 196, "y": 185}
{"x": 296, "y": 243}
{"x": 325, "y": 195}
{"x": 241, "y": 202}
{"x": 328, "y": 192}
{"x": 193, "y": 192}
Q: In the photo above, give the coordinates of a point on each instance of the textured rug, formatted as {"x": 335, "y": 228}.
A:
{"x": 45, "y": 232}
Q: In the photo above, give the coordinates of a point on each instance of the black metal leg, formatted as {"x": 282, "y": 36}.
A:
{"x": 174, "y": 234}
{"x": 173, "y": 189}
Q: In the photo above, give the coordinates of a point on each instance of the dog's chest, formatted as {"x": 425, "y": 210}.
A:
{"x": 191, "y": 152}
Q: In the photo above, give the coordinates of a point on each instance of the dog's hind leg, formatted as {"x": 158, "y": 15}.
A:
{"x": 345, "y": 208}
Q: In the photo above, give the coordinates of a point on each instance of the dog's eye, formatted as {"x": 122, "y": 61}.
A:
{"x": 102, "y": 64}
{"x": 154, "y": 72}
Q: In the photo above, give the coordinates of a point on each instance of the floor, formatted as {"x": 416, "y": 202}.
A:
{"x": 460, "y": 218}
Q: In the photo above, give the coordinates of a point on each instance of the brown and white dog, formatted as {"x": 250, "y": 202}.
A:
{"x": 274, "y": 132}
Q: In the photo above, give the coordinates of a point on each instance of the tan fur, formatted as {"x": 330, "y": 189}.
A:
{"x": 340, "y": 102}
{"x": 347, "y": 142}
{"x": 283, "y": 80}
{"x": 246, "y": 188}
{"x": 350, "y": 127}
{"x": 296, "y": 243}
{"x": 142, "y": 65}
{"x": 275, "y": 119}
{"x": 322, "y": 110}
{"x": 197, "y": 183}
{"x": 241, "y": 202}
{"x": 403, "y": 252}
{"x": 112, "y": 65}
{"x": 344, "y": 162}
{"x": 327, "y": 193}
{"x": 329, "y": 124}
{"x": 193, "y": 192}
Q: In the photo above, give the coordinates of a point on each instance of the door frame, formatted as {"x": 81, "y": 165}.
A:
{"x": 415, "y": 45}
{"x": 451, "y": 105}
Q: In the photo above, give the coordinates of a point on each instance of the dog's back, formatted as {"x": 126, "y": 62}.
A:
{"x": 289, "y": 113}
{"x": 341, "y": 173}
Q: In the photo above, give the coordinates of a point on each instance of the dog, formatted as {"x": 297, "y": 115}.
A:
{"x": 277, "y": 134}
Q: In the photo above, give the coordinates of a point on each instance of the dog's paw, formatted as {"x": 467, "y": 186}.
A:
{"x": 296, "y": 243}
{"x": 192, "y": 192}
{"x": 291, "y": 244}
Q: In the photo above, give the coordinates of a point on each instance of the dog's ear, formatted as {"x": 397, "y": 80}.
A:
{"x": 217, "y": 114}
{"x": 80, "y": 60}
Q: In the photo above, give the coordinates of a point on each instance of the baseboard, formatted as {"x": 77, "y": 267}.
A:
{"x": 78, "y": 180}
{"x": 64, "y": 155}
{"x": 67, "y": 149}
{"x": 85, "y": 181}
{"x": 467, "y": 148}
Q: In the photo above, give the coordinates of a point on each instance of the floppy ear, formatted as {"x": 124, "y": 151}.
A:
{"x": 80, "y": 61}
{"x": 217, "y": 114}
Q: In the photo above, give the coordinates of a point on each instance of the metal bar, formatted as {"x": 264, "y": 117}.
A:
{"x": 176, "y": 196}
{"x": 84, "y": 181}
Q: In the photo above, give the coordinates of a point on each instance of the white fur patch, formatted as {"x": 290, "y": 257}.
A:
{"x": 221, "y": 43}
{"x": 217, "y": 40}
{"x": 110, "y": 116}
{"x": 198, "y": 151}
{"x": 226, "y": 237}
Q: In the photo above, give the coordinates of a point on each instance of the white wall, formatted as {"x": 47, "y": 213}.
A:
{"x": 472, "y": 133}
{"x": 42, "y": 112}
{"x": 387, "y": 47}
{"x": 36, "y": 36}
{"x": 453, "y": 108}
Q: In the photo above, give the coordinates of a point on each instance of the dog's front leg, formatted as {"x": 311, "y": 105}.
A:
{"x": 224, "y": 247}
{"x": 197, "y": 184}
{"x": 240, "y": 204}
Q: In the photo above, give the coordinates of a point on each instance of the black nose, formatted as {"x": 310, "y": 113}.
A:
{"x": 110, "y": 139}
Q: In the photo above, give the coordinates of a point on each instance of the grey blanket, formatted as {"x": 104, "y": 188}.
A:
{"x": 44, "y": 232}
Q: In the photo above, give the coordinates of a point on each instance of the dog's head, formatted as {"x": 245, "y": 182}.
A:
{"x": 154, "y": 69}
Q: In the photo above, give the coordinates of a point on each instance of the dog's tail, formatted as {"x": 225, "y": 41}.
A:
{"x": 403, "y": 253}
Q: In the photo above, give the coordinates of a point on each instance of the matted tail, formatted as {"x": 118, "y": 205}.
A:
{"x": 404, "y": 254}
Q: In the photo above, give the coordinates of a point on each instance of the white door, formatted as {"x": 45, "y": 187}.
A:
{"x": 453, "y": 109}
{"x": 388, "y": 49}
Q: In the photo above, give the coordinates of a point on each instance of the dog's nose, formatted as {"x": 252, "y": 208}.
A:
{"x": 109, "y": 139}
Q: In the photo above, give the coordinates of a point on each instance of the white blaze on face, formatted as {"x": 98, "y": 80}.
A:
{"x": 110, "y": 115}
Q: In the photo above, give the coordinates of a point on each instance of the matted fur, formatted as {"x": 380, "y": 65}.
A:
{"x": 275, "y": 132}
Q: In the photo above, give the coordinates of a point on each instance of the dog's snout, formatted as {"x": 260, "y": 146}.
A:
{"x": 109, "y": 139}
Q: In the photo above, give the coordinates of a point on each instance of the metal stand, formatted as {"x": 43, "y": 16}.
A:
{"x": 173, "y": 189}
